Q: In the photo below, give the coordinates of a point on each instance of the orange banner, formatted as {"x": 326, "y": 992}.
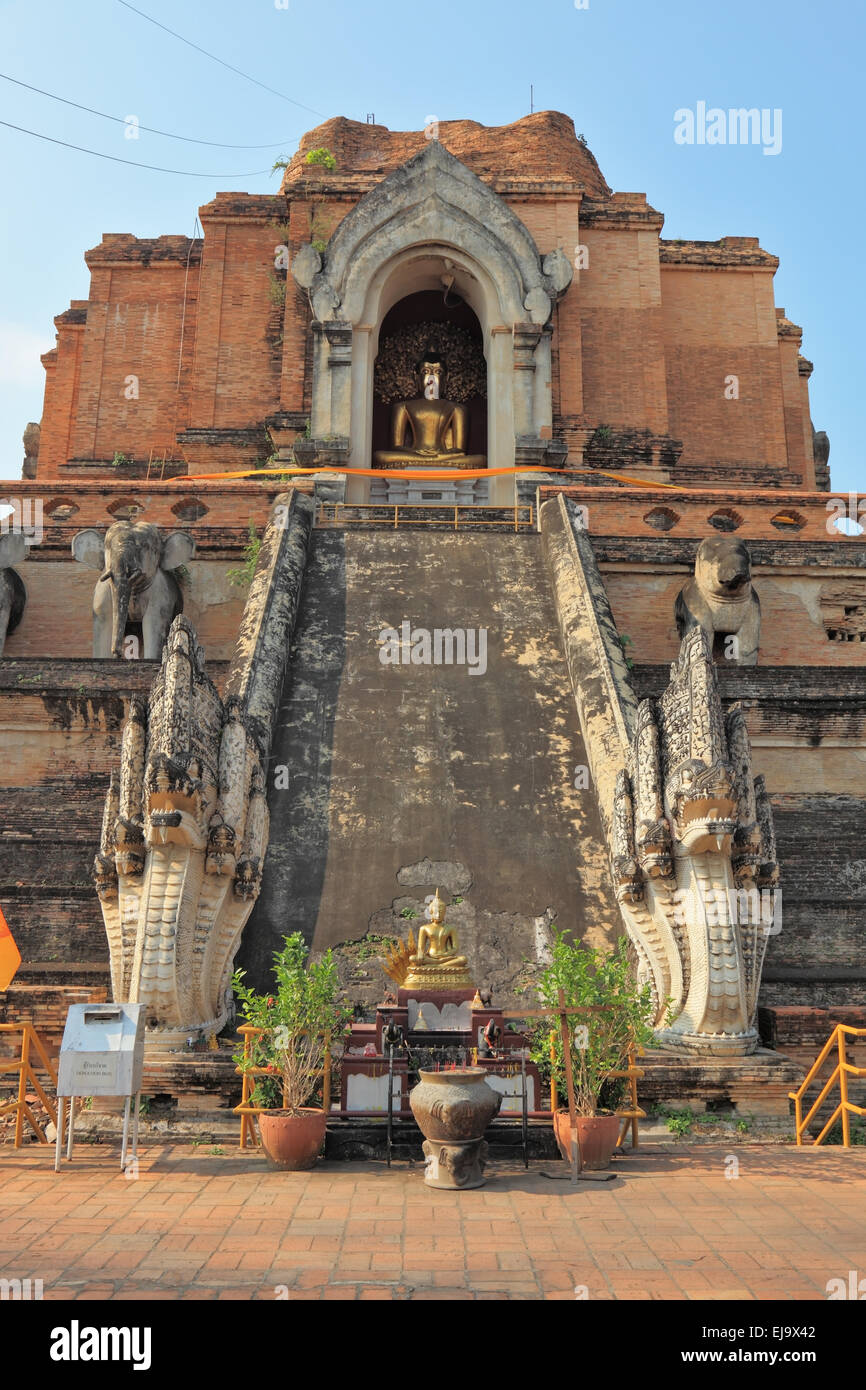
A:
{"x": 434, "y": 474}
{"x": 10, "y": 956}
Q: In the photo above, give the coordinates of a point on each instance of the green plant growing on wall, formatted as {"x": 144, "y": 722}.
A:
{"x": 276, "y": 290}
{"x": 271, "y": 462}
{"x": 120, "y": 460}
{"x": 408, "y": 913}
{"x": 320, "y": 226}
{"x": 370, "y": 946}
{"x": 242, "y": 576}
{"x": 322, "y": 157}
{"x": 626, "y": 641}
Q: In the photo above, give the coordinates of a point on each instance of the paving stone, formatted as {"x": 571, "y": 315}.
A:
{"x": 664, "y": 1232}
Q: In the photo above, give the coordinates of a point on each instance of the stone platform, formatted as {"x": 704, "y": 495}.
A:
{"x": 351, "y": 1140}
{"x": 757, "y": 1086}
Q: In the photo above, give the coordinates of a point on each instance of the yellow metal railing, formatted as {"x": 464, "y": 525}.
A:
{"x": 841, "y": 1072}
{"x": 248, "y": 1112}
{"x": 518, "y": 518}
{"x": 26, "y": 1079}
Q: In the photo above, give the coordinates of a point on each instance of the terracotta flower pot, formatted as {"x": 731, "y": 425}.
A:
{"x": 292, "y": 1142}
{"x": 596, "y": 1138}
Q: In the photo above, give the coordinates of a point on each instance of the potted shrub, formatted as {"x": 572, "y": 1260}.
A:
{"x": 599, "y": 1041}
{"x": 295, "y": 1017}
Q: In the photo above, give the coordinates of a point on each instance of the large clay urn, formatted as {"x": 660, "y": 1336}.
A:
{"x": 453, "y": 1109}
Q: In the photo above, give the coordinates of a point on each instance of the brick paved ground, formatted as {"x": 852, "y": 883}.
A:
{"x": 203, "y": 1226}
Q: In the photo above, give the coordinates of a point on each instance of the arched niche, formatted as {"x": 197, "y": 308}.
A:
{"x": 443, "y": 319}
{"x": 429, "y": 219}
{"x": 406, "y": 274}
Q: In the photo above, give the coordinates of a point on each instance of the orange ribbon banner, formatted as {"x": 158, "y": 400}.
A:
{"x": 432, "y": 474}
{"x": 10, "y": 956}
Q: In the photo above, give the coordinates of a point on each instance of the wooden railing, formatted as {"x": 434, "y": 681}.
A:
{"x": 841, "y": 1072}
{"x": 247, "y": 1111}
{"x": 633, "y": 1113}
{"x": 628, "y": 1114}
{"x": 28, "y": 1079}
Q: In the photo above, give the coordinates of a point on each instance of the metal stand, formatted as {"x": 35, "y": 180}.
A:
{"x": 58, "y": 1144}
{"x": 69, "y": 1120}
{"x": 61, "y": 1116}
{"x": 123, "y": 1147}
{"x": 390, "y": 1100}
{"x": 392, "y": 1037}
{"x": 524, "y": 1107}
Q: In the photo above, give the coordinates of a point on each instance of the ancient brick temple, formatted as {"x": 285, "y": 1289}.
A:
{"x": 630, "y": 399}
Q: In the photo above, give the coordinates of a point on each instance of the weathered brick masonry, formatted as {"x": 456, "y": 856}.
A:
{"x": 647, "y": 339}
{"x": 670, "y": 363}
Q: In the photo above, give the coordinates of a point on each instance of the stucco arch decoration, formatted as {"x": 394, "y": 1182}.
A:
{"x": 433, "y": 206}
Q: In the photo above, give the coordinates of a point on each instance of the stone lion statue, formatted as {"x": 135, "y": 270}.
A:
{"x": 720, "y": 598}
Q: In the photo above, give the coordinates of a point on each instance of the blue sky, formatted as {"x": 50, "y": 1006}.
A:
{"x": 621, "y": 68}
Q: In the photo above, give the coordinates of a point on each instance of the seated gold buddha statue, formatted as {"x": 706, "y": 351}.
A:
{"x": 436, "y": 963}
{"x": 429, "y": 431}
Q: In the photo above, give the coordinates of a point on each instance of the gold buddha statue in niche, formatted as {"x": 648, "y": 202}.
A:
{"x": 434, "y": 963}
{"x": 429, "y": 431}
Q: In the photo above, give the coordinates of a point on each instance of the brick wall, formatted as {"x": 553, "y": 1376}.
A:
{"x": 792, "y": 633}
{"x": 60, "y": 730}
{"x": 62, "y": 381}
{"x": 717, "y": 325}
{"x": 644, "y": 338}
{"x": 621, "y": 330}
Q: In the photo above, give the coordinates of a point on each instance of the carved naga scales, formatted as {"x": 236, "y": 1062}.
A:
{"x": 184, "y": 833}
{"x": 693, "y": 858}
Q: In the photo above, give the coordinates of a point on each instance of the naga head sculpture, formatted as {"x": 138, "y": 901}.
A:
{"x": 691, "y": 827}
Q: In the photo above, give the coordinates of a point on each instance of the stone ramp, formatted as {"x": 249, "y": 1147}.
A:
{"x": 386, "y": 780}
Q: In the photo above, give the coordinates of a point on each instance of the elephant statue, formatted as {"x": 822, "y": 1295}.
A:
{"x": 13, "y": 595}
{"x": 136, "y": 585}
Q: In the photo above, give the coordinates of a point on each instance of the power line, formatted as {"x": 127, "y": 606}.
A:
{"x": 158, "y": 168}
{"x": 216, "y": 144}
{"x": 221, "y": 62}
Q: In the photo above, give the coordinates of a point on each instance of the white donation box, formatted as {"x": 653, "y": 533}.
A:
{"x": 102, "y": 1054}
